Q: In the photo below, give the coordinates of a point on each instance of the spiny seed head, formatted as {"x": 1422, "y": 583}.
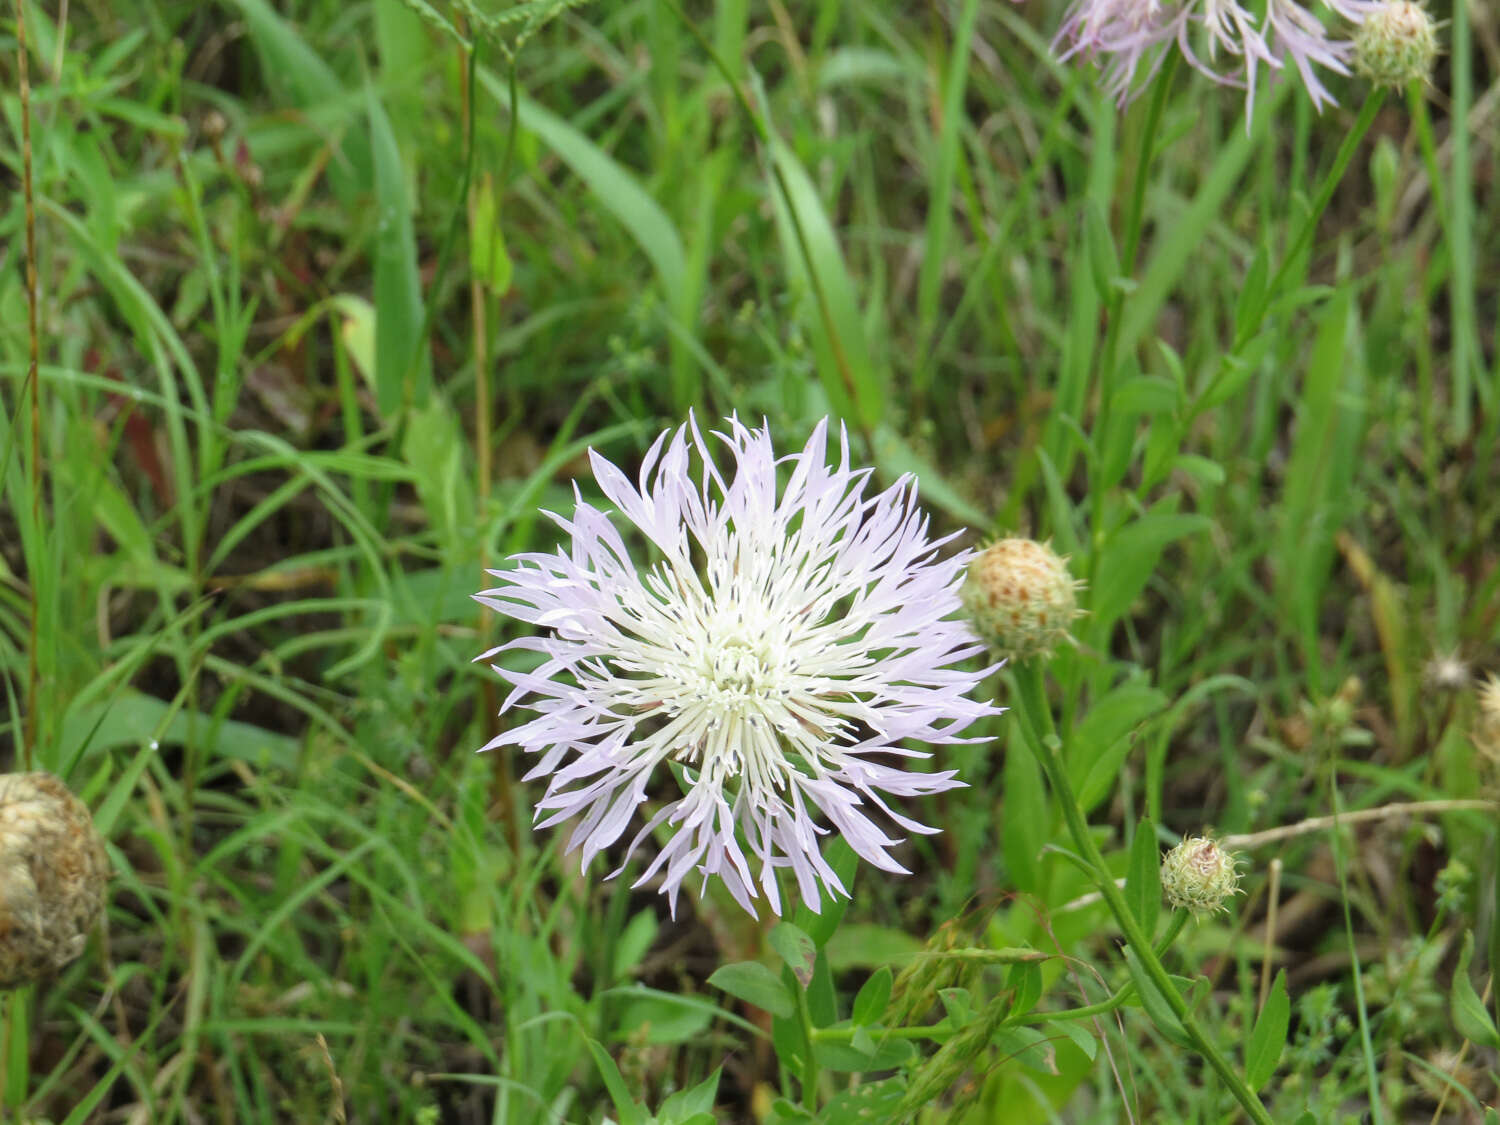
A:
{"x": 1396, "y": 43}
{"x": 1487, "y": 727}
{"x": 1021, "y": 597}
{"x": 1489, "y": 701}
{"x": 1198, "y": 875}
{"x": 53, "y": 870}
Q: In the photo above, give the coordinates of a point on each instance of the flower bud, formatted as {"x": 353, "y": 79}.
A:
{"x": 1020, "y": 596}
{"x": 1396, "y": 44}
{"x": 52, "y": 875}
{"x": 1198, "y": 875}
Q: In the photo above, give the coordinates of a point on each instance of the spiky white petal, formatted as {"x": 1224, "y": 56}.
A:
{"x": 782, "y": 650}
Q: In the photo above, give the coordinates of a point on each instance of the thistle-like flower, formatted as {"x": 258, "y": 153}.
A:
{"x": 1396, "y": 44}
{"x": 777, "y": 657}
{"x": 1021, "y": 598}
{"x": 1136, "y": 32}
{"x": 1199, "y": 876}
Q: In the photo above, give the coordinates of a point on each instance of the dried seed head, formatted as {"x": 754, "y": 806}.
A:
{"x": 1446, "y": 672}
{"x": 1396, "y": 44}
{"x": 1198, "y": 875}
{"x": 53, "y": 870}
{"x": 1021, "y": 597}
{"x": 1487, "y": 726}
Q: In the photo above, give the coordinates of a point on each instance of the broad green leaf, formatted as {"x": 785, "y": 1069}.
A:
{"x": 1130, "y": 558}
{"x": 756, "y": 984}
{"x": 1269, "y": 1036}
{"x": 796, "y": 949}
{"x": 1028, "y": 1046}
{"x": 403, "y": 373}
{"x": 1470, "y": 1017}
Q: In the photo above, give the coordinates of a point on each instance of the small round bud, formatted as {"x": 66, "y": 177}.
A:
{"x": 1396, "y": 44}
{"x": 52, "y": 875}
{"x": 1198, "y": 875}
{"x": 1021, "y": 597}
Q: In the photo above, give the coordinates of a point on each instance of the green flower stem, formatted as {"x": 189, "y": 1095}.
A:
{"x": 1325, "y": 193}
{"x": 1032, "y": 702}
{"x": 809, "y": 1037}
{"x": 1253, "y": 323}
{"x": 1122, "y": 994}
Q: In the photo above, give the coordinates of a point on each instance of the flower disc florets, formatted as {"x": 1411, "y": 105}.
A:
{"x": 1021, "y": 597}
{"x": 1198, "y": 875}
{"x": 792, "y": 636}
{"x": 1396, "y": 44}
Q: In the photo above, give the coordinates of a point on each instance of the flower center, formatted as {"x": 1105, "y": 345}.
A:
{"x": 741, "y": 670}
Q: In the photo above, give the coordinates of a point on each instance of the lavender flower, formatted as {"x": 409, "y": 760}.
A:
{"x": 1131, "y": 31}
{"x": 780, "y": 678}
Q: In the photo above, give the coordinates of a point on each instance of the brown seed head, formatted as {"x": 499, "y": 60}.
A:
{"x": 53, "y": 871}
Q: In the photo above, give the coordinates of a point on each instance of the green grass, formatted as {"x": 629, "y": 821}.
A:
{"x": 331, "y": 308}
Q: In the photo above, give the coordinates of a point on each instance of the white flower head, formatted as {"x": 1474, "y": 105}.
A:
{"x": 780, "y": 653}
{"x": 1131, "y": 38}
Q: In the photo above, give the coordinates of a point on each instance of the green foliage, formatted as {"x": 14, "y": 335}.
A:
{"x": 335, "y": 298}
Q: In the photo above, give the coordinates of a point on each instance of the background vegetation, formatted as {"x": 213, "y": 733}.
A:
{"x": 323, "y": 327}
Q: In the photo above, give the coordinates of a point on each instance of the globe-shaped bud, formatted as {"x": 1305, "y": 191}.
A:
{"x": 1020, "y": 597}
{"x": 1396, "y": 44}
{"x": 53, "y": 870}
{"x": 1198, "y": 875}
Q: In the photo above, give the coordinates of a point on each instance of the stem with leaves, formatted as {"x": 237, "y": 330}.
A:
{"x": 1042, "y": 739}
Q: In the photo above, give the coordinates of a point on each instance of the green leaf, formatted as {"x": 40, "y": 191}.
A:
{"x": 1269, "y": 1036}
{"x": 756, "y": 984}
{"x": 887, "y": 1055}
{"x": 1079, "y": 1033}
{"x": 488, "y": 259}
{"x": 398, "y": 293}
{"x": 1143, "y": 881}
{"x": 1099, "y": 245}
{"x": 613, "y": 185}
{"x": 796, "y": 949}
{"x": 1102, "y": 740}
{"x": 873, "y": 996}
{"x": 629, "y": 1110}
{"x": 854, "y": 382}
{"x": 1154, "y": 1003}
{"x": 1130, "y": 558}
{"x": 312, "y": 84}
{"x": 1028, "y": 1046}
{"x": 1025, "y": 980}
{"x": 685, "y": 1104}
{"x": 1470, "y": 1017}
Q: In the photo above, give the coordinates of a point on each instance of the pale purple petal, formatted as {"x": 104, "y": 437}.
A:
{"x": 794, "y": 634}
